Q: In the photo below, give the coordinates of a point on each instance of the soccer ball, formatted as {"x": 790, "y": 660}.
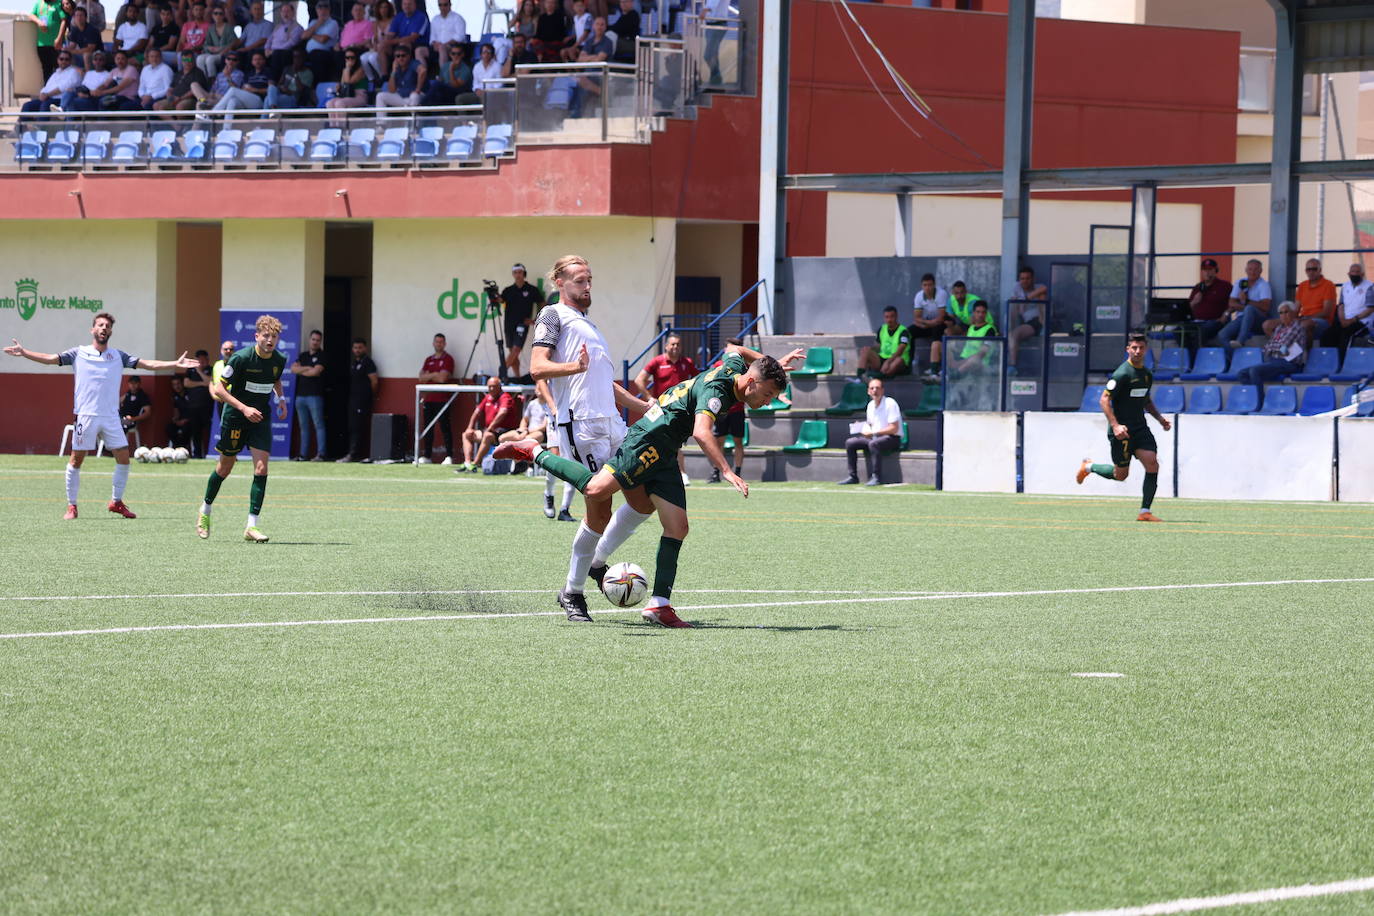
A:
{"x": 154, "y": 455}
{"x": 164, "y": 455}
{"x": 625, "y": 585}
{"x": 180, "y": 455}
{"x": 141, "y": 454}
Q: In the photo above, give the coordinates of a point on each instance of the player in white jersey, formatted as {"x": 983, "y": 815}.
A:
{"x": 99, "y": 369}
{"x": 569, "y": 352}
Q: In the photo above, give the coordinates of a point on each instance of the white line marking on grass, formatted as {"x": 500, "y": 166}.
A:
{"x": 459, "y": 591}
{"x": 1193, "y": 904}
{"x": 886, "y": 599}
{"x": 1097, "y": 674}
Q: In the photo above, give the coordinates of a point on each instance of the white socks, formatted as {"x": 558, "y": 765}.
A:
{"x": 73, "y": 484}
{"x": 121, "y": 478}
{"x": 583, "y": 547}
{"x": 205, "y": 508}
{"x": 568, "y": 491}
{"x": 252, "y": 521}
{"x": 656, "y": 602}
{"x": 548, "y": 483}
{"x": 623, "y": 524}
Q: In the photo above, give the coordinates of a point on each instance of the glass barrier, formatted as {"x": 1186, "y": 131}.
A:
{"x": 973, "y": 373}
{"x": 576, "y": 103}
{"x": 662, "y": 72}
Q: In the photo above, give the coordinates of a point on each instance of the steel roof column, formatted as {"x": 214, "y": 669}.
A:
{"x": 1016, "y": 126}
{"x": 773, "y": 165}
{"x": 1283, "y": 182}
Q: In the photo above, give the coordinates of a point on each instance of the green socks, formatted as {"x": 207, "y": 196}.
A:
{"x": 1151, "y": 484}
{"x": 212, "y": 487}
{"x": 665, "y": 568}
{"x": 564, "y": 469}
{"x": 1104, "y": 470}
{"x": 256, "y": 493}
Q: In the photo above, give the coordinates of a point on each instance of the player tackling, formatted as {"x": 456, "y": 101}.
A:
{"x": 645, "y": 466}
{"x": 248, "y": 379}
{"x": 1125, "y": 402}
{"x": 98, "y": 368}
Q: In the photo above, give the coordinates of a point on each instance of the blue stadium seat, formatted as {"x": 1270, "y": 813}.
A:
{"x": 393, "y": 143}
{"x": 1211, "y": 362}
{"x": 260, "y": 145}
{"x": 1242, "y": 399}
{"x": 1205, "y": 399}
{"x": 361, "y": 140}
{"x": 1172, "y": 362}
{"x": 324, "y": 92}
{"x": 161, "y": 145}
{"x": 328, "y": 143}
{"x": 295, "y": 141}
{"x": 1317, "y": 399}
{"x": 1365, "y": 410}
{"x": 194, "y": 145}
{"x": 560, "y": 94}
{"x": 1243, "y": 358}
{"x": 1359, "y": 365}
{"x": 460, "y": 141}
{"x": 1321, "y": 363}
{"x": 226, "y": 146}
{"x": 31, "y": 145}
{"x": 426, "y": 145}
{"x": 63, "y": 146}
{"x": 126, "y": 148}
{"x": 1280, "y": 401}
{"x": 96, "y": 146}
{"x": 498, "y": 140}
{"x": 1091, "y": 395}
{"x": 1168, "y": 398}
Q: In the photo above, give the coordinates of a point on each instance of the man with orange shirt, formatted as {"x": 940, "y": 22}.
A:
{"x": 1316, "y": 304}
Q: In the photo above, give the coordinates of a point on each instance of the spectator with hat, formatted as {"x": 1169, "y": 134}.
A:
{"x": 1208, "y": 301}
{"x": 520, "y": 301}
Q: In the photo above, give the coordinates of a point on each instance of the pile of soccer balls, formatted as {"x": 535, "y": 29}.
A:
{"x": 155, "y": 455}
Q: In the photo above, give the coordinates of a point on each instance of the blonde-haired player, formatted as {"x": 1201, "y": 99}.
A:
{"x": 249, "y": 377}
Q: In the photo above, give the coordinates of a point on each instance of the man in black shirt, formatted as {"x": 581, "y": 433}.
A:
{"x": 309, "y": 371}
{"x": 626, "y": 30}
{"x": 135, "y": 406}
{"x": 362, "y": 387}
{"x": 179, "y": 427}
{"x": 521, "y": 301}
{"x": 200, "y": 404}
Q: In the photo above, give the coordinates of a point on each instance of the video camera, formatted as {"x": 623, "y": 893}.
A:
{"x": 493, "y": 292}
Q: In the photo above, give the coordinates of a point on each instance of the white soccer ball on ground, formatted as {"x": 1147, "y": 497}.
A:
{"x": 164, "y": 455}
{"x": 625, "y": 585}
{"x": 141, "y": 454}
{"x": 154, "y": 455}
{"x": 180, "y": 455}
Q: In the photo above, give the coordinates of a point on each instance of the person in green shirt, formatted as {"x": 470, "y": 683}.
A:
{"x": 892, "y": 356}
{"x": 48, "y": 17}
{"x": 1125, "y": 401}
{"x": 958, "y": 317}
{"x": 243, "y": 386}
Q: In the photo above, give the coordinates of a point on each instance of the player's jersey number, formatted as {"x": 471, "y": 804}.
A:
{"x": 647, "y": 458}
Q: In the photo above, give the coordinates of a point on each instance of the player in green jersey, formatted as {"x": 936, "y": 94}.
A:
{"x": 248, "y": 379}
{"x": 1125, "y": 401}
{"x": 645, "y": 467}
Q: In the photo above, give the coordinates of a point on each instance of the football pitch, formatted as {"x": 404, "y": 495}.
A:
{"x": 881, "y": 708}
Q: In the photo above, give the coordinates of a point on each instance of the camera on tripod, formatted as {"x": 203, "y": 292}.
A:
{"x": 493, "y": 292}
{"x": 490, "y": 323}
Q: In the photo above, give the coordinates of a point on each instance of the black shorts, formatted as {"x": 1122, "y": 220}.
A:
{"x": 1035, "y": 325}
{"x": 934, "y": 333}
{"x": 730, "y": 423}
{"x": 1138, "y": 439}
{"x": 516, "y": 334}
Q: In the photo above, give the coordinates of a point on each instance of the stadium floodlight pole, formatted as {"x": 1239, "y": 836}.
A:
{"x": 772, "y": 157}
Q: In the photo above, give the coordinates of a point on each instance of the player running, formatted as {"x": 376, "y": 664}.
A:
{"x": 645, "y": 466}
{"x": 243, "y": 386}
{"x": 1125, "y": 401}
{"x": 98, "y": 368}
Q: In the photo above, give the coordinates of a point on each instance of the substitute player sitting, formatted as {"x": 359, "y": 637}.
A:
{"x": 1125, "y": 402}
{"x": 645, "y": 466}
{"x": 248, "y": 379}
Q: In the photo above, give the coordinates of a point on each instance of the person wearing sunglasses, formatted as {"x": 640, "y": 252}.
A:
{"x": 64, "y": 80}
{"x": 352, "y": 90}
{"x": 220, "y": 38}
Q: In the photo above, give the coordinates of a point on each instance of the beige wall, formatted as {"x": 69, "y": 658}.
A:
{"x": 712, "y": 250}
{"x": 1254, "y": 19}
{"x": 133, "y": 279}
{"x": 274, "y": 263}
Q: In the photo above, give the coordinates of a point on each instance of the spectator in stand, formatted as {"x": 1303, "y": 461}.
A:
{"x": 98, "y": 76}
{"x": 437, "y": 370}
{"x": 65, "y": 80}
{"x": 534, "y": 424}
{"x": 154, "y": 80}
{"x": 445, "y": 29}
{"x": 1023, "y": 315}
{"x": 239, "y": 14}
{"x": 283, "y": 40}
{"x": 200, "y": 405}
{"x": 1208, "y": 302}
{"x": 309, "y": 372}
{"x": 892, "y": 356}
{"x": 357, "y": 32}
{"x": 527, "y": 21}
{"x": 256, "y": 32}
{"x": 718, "y": 15}
{"x": 377, "y": 59}
{"x": 731, "y": 423}
{"x": 194, "y": 30}
{"x": 179, "y": 427}
{"x": 1248, "y": 307}
{"x": 352, "y": 88}
{"x": 486, "y": 71}
{"x": 229, "y": 78}
{"x": 182, "y": 96}
{"x": 553, "y": 32}
{"x": 1355, "y": 315}
{"x": 322, "y": 44}
{"x": 132, "y": 34}
{"x": 880, "y": 433}
{"x": 597, "y": 48}
{"x": 410, "y": 30}
{"x": 1284, "y": 352}
{"x": 166, "y": 34}
{"x": 521, "y": 301}
{"x": 252, "y": 92}
{"x": 520, "y": 53}
{"x": 362, "y": 389}
{"x": 121, "y": 92}
{"x": 296, "y": 86}
{"x": 626, "y": 29}
{"x": 928, "y": 316}
{"x": 974, "y": 363}
{"x": 403, "y": 85}
{"x": 454, "y": 85}
{"x": 959, "y": 309}
{"x": 669, "y": 368}
{"x": 81, "y": 38}
{"x": 582, "y": 24}
{"x": 221, "y": 38}
{"x": 498, "y": 412}
{"x": 1316, "y": 304}
{"x": 135, "y": 406}
{"x": 95, "y": 13}
{"x": 48, "y": 17}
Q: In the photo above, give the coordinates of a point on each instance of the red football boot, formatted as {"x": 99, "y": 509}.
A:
{"x": 520, "y": 450}
{"x": 664, "y": 616}
{"x": 71, "y": 512}
{"x": 118, "y": 508}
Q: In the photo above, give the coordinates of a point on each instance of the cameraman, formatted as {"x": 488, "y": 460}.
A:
{"x": 521, "y": 301}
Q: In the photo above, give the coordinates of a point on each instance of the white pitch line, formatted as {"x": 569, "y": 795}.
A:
{"x": 887, "y": 599}
{"x": 1193, "y": 904}
{"x": 456, "y": 591}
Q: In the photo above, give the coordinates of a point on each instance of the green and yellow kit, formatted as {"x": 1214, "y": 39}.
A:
{"x": 250, "y": 378}
{"x": 1129, "y": 391}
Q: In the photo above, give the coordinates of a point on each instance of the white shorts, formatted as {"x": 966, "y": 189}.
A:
{"x": 592, "y": 442}
{"x": 86, "y": 430}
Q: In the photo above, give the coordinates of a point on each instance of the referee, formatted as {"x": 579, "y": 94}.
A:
{"x": 521, "y": 300}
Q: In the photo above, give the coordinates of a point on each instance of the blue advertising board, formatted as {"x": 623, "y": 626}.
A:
{"x": 238, "y": 326}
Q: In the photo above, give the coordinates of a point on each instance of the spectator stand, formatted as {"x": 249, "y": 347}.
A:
{"x": 453, "y": 391}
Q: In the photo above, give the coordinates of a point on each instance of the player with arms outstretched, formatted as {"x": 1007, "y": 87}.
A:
{"x": 248, "y": 379}
{"x": 98, "y": 368}
{"x": 645, "y": 466}
{"x": 1125, "y": 401}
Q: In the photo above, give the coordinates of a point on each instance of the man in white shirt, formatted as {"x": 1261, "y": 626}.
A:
{"x": 443, "y": 28}
{"x": 155, "y": 79}
{"x": 487, "y": 71}
{"x": 1249, "y": 306}
{"x": 1023, "y": 312}
{"x": 99, "y": 368}
{"x": 132, "y": 33}
{"x": 881, "y": 432}
{"x": 64, "y": 81}
{"x": 1355, "y": 311}
{"x": 928, "y": 317}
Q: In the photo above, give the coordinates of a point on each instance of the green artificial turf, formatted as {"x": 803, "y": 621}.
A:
{"x": 879, "y": 752}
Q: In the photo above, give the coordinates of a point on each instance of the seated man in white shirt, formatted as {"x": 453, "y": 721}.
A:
{"x": 880, "y": 433}
{"x": 154, "y": 80}
{"x": 65, "y": 80}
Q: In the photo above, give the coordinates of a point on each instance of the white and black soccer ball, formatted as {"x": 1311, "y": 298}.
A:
{"x": 180, "y": 455}
{"x": 625, "y": 585}
{"x": 141, "y": 454}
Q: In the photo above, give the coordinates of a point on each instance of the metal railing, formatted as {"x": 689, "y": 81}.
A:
{"x": 708, "y": 351}
{"x": 578, "y": 103}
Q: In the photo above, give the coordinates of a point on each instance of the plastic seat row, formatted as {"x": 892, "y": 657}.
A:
{"x": 815, "y": 434}
{"x": 1322, "y": 363}
{"x": 1278, "y": 400}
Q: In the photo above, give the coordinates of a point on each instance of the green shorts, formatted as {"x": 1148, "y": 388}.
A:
{"x": 644, "y": 462}
{"x": 235, "y": 434}
{"x": 1138, "y": 439}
